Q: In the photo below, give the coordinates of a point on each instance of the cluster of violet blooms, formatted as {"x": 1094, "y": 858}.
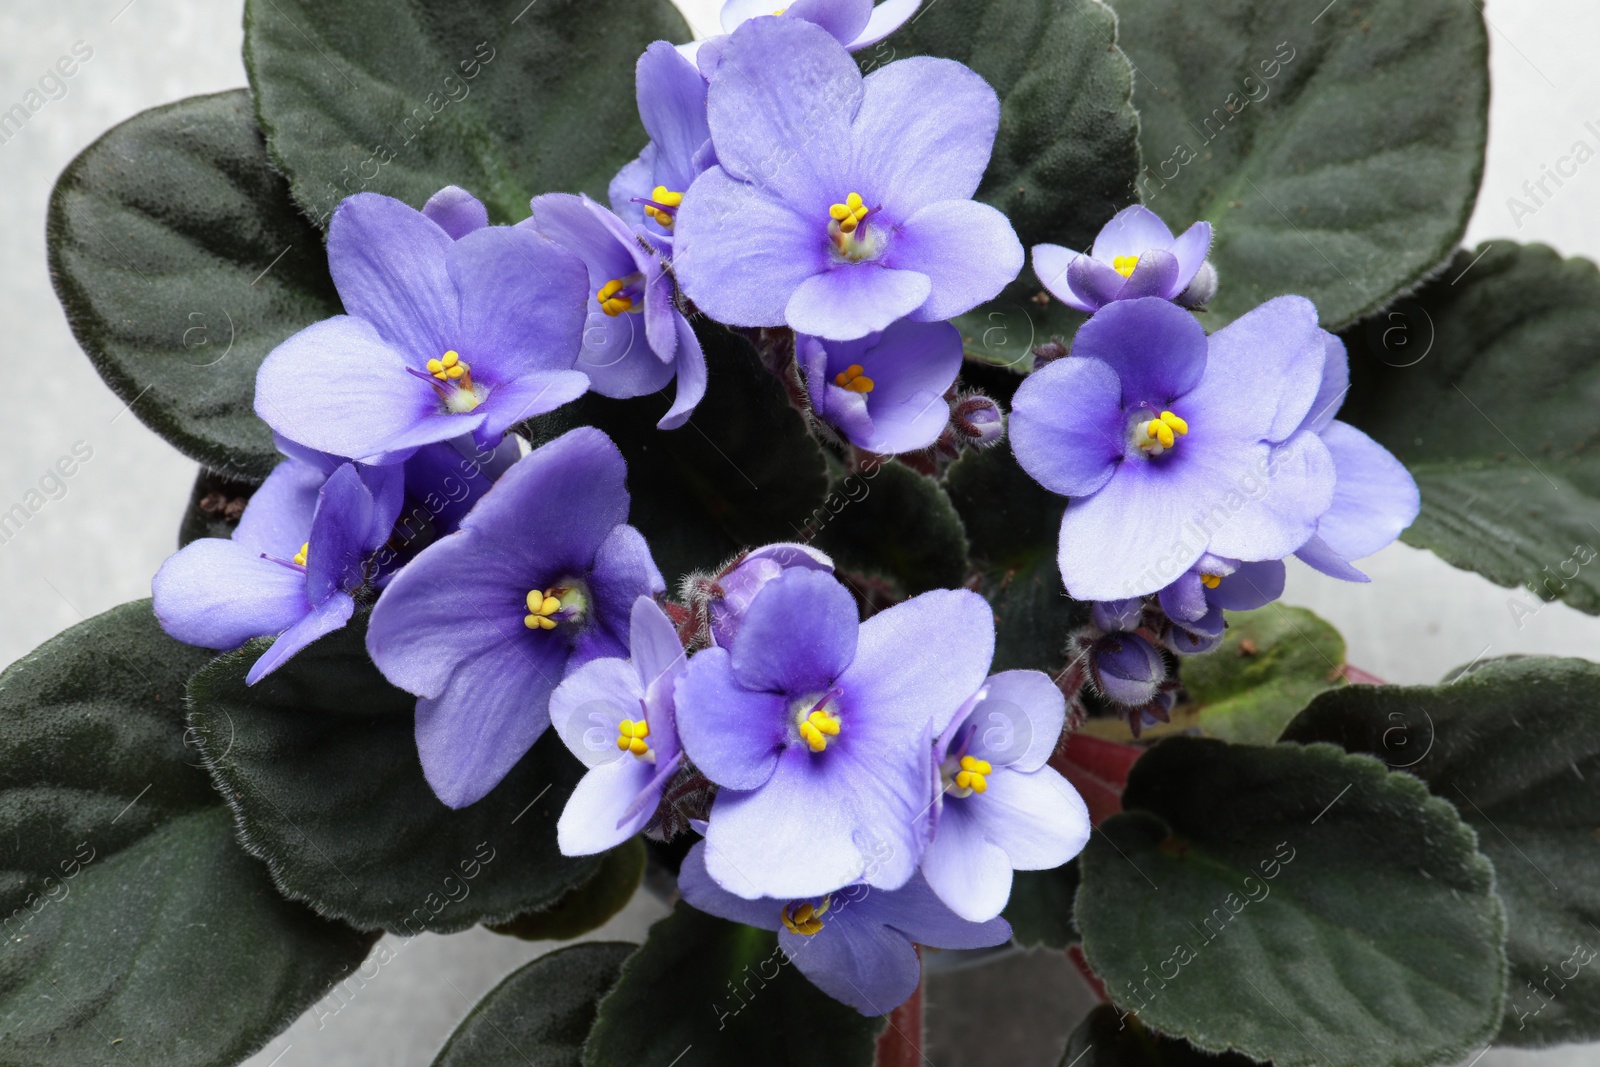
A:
{"x": 861, "y": 787}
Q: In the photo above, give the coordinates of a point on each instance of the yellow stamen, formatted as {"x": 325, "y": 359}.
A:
{"x": 451, "y": 368}
{"x": 613, "y": 301}
{"x": 973, "y": 774}
{"x": 845, "y": 219}
{"x": 853, "y": 379}
{"x": 662, "y": 195}
{"x": 631, "y": 737}
{"x": 1125, "y": 265}
{"x": 300, "y": 556}
{"x": 1211, "y": 581}
{"x": 1162, "y": 433}
{"x": 817, "y": 727}
{"x": 541, "y": 606}
{"x": 804, "y": 918}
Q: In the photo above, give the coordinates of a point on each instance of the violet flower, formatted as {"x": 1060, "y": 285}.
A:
{"x": 856, "y": 24}
{"x": 1134, "y": 256}
{"x": 1000, "y": 807}
{"x": 616, "y": 715}
{"x": 443, "y": 337}
{"x": 1196, "y": 601}
{"x": 300, "y": 552}
{"x": 1171, "y": 444}
{"x": 841, "y": 204}
{"x": 648, "y": 192}
{"x": 885, "y": 391}
{"x": 854, "y": 943}
{"x": 819, "y": 729}
{"x": 732, "y": 594}
{"x": 636, "y": 338}
{"x": 483, "y": 624}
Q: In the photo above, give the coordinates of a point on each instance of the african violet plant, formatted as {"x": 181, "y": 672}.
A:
{"x": 826, "y": 472}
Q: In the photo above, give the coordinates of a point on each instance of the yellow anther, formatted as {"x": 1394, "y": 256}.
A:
{"x": 817, "y": 727}
{"x": 613, "y": 298}
{"x": 972, "y": 777}
{"x": 1178, "y": 426}
{"x": 1159, "y": 431}
{"x": 848, "y": 216}
{"x": 801, "y": 917}
{"x": 854, "y": 379}
{"x": 450, "y": 368}
{"x": 300, "y": 556}
{"x": 666, "y": 198}
{"x": 541, "y": 609}
{"x": 631, "y": 737}
{"x": 1125, "y": 265}
{"x": 1211, "y": 581}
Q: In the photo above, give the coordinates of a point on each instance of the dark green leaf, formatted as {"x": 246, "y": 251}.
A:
{"x": 1337, "y": 153}
{"x": 215, "y": 504}
{"x": 1271, "y": 663}
{"x": 181, "y": 262}
{"x": 1067, "y": 154}
{"x": 319, "y": 762}
{"x": 1515, "y": 745}
{"x": 1012, "y": 523}
{"x": 1296, "y": 904}
{"x": 505, "y": 98}
{"x": 897, "y": 524}
{"x": 590, "y": 905}
{"x": 541, "y": 1014}
{"x": 678, "y": 991}
{"x": 744, "y": 472}
{"x": 1485, "y": 386}
{"x": 1040, "y": 908}
{"x": 129, "y": 914}
{"x": 1111, "y": 1038}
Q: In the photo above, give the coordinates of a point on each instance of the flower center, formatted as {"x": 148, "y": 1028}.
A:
{"x": 662, "y": 206}
{"x": 848, "y": 230}
{"x": 854, "y": 379}
{"x": 631, "y": 738}
{"x": 1125, "y": 265}
{"x": 564, "y": 602}
{"x": 451, "y": 378}
{"x": 967, "y": 777}
{"x": 1155, "y": 436}
{"x": 621, "y": 294}
{"x": 804, "y": 918}
{"x": 815, "y": 722}
{"x": 1211, "y": 581}
{"x": 300, "y": 556}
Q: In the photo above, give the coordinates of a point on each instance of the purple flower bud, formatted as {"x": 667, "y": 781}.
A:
{"x": 1127, "y": 669}
{"x": 1118, "y": 616}
{"x": 735, "y": 590}
{"x": 1048, "y": 353}
{"x": 1202, "y": 289}
{"x": 1189, "y": 643}
{"x": 978, "y": 419}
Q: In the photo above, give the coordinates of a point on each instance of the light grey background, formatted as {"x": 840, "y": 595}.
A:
{"x": 98, "y": 544}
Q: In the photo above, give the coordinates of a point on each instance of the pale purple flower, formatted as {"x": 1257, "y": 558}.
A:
{"x": 483, "y": 624}
{"x": 616, "y": 715}
{"x": 1134, "y": 256}
{"x": 884, "y": 392}
{"x": 636, "y": 340}
{"x": 442, "y": 337}
{"x": 733, "y": 593}
{"x": 1171, "y": 444}
{"x": 853, "y": 943}
{"x": 819, "y": 729}
{"x": 303, "y": 547}
{"x": 1000, "y": 807}
{"x": 648, "y": 192}
{"x": 1197, "y": 600}
{"x": 841, "y": 204}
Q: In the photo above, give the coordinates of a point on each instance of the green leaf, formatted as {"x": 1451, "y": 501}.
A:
{"x": 1040, "y": 907}
{"x": 505, "y": 98}
{"x": 129, "y": 914}
{"x": 678, "y": 992}
{"x": 1271, "y": 663}
{"x": 1067, "y": 154}
{"x": 319, "y": 762}
{"x": 1515, "y": 745}
{"x": 540, "y": 1015}
{"x": 215, "y": 504}
{"x": 1109, "y": 1038}
{"x": 743, "y": 472}
{"x": 879, "y": 505}
{"x": 1299, "y": 905}
{"x": 181, "y": 262}
{"x": 1484, "y": 385}
{"x": 1013, "y": 523}
{"x": 1338, "y": 153}
{"x": 588, "y": 906}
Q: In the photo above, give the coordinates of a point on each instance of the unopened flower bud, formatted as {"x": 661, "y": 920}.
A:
{"x": 978, "y": 419}
{"x": 736, "y": 588}
{"x": 1048, "y": 353}
{"x": 1201, "y": 289}
{"x": 1127, "y": 669}
{"x": 1118, "y": 616}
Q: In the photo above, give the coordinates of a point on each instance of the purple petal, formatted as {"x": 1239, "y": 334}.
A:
{"x": 341, "y": 535}
{"x": 1037, "y": 818}
{"x": 1052, "y": 264}
{"x": 1098, "y": 282}
{"x": 488, "y": 715}
{"x": 844, "y": 19}
{"x": 1067, "y": 425}
{"x": 672, "y": 103}
{"x": 388, "y": 263}
{"x": 1264, "y": 370}
{"x": 918, "y": 662}
{"x": 1335, "y": 384}
{"x": 886, "y": 18}
{"x": 703, "y": 893}
{"x": 622, "y": 572}
{"x": 1157, "y": 349}
{"x": 522, "y": 302}
{"x": 456, "y": 211}
{"x": 635, "y": 179}
{"x": 589, "y": 703}
{"x": 330, "y": 615}
{"x": 1191, "y": 247}
{"x": 653, "y": 643}
{"x": 1273, "y": 523}
{"x": 912, "y": 365}
{"x": 277, "y": 520}
{"x": 1252, "y": 586}
{"x": 597, "y": 817}
{"x": 733, "y": 736}
{"x": 742, "y": 253}
{"x": 798, "y": 635}
{"x": 1374, "y": 500}
{"x": 1133, "y": 231}
{"x": 576, "y": 224}
{"x": 923, "y": 135}
{"x": 780, "y": 106}
{"x": 661, "y": 314}
{"x": 969, "y": 873}
{"x": 1316, "y": 554}
{"x": 870, "y": 967}
{"x": 1185, "y": 600}
{"x": 219, "y": 594}
{"x": 1156, "y": 275}
{"x": 968, "y": 250}
{"x": 1018, "y": 721}
{"x": 531, "y": 393}
{"x": 917, "y": 912}
{"x": 690, "y": 365}
{"x": 855, "y": 299}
